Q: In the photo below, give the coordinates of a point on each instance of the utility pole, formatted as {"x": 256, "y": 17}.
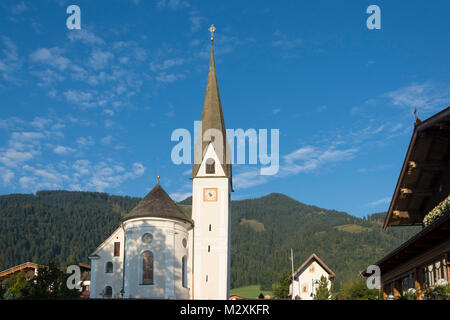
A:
{"x": 292, "y": 264}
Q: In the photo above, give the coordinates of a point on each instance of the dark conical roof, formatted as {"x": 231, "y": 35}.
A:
{"x": 212, "y": 118}
{"x": 158, "y": 204}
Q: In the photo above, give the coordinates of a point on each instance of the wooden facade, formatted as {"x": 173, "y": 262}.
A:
{"x": 423, "y": 184}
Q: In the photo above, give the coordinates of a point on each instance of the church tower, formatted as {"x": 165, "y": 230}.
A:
{"x": 211, "y": 175}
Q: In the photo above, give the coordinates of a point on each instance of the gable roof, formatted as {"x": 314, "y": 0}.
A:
{"x": 311, "y": 258}
{"x": 158, "y": 204}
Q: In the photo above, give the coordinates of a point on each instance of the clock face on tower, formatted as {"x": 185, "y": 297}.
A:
{"x": 210, "y": 194}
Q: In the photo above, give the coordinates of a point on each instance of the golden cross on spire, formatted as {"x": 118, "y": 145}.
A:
{"x": 212, "y": 29}
{"x": 158, "y": 178}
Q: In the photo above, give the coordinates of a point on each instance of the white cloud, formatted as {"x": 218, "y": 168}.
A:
{"x": 10, "y": 62}
{"x": 50, "y": 56}
{"x": 250, "y": 178}
{"x": 61, "y": 150}
{"x": 166, "y": 64}
{"x": 85, "y": 36}
{"x": 6, "y": 175}
{"x": 107, "y": 139}
{"x": 138, "y": 169}
{"x": 310, "y": 158}
{"x": 196, "y": 20}
{"x": 19, "y": 8}
{"x": 171, "y": 77}
{"x": 284, "y": 42}
{"x": 180, "y": 196}
{"x": 108, "y": 176}
{"x": 84, "y": 142}
{"x": 380, "y": 202}
{"x": 99, "y": 59}
{"x": 428, "y": 96}
{"x": 41, "y": 122}
{"x": 172, "y": 4}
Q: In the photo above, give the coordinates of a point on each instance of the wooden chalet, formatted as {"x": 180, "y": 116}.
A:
{"x": 30, "y": 269}
{"x": 421, "y": 197}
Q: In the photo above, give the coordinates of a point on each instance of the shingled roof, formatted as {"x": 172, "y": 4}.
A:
{"x": 158, "y": 204}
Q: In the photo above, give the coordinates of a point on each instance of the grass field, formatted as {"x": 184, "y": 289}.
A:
{"x": 352, "y": 228}
{"x": 251, "y": 292}
{"x": 254, "y": 224}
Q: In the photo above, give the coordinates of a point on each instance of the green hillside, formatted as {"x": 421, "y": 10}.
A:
{"x": 63, "y": 225}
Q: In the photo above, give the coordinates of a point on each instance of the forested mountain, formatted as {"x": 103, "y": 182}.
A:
{"x": 63, "y": 225}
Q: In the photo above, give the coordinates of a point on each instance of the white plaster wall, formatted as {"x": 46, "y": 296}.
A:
{"x": 167, "y": 251}
{"x": 99, "y": 278}
{"x": 306, "y": 278}
{"x": 211, "y": 270}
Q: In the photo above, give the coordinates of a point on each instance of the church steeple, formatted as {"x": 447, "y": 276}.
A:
{"x": 212, "y": 118}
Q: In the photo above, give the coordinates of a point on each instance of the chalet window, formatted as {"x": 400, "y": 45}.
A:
{"x": 109, "y": 268}
{"x": 439, "y": 268}
{"x": 147, "y": 267}
{"x": 311, "y": 268}
{"x": 184, "y": 272}
{"x": 108, "y": 292}
{"x": 429, "y": 275}
{"x": 210, "y": 166}
{"x": 116, "y": 249}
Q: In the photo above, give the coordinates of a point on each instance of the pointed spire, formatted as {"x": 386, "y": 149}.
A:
{"x": 212, "y": 118}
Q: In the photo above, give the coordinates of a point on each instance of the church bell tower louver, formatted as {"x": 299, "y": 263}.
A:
{"x": 211, "y": 188}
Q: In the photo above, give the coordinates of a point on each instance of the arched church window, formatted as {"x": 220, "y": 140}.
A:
{"x": 109, "y": 268}
{"x": 210, "y": 165}
{"x": 108, "y": 292}
{"x": 184, "y": 242}
{"x": 184, "y": 272}
{"x": 147, "y": 267}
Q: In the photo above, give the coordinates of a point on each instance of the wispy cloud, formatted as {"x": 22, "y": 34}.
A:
{"x": 166, "y": 64}
{"x": 284, "y": 42}
{"x": 85, "y": 36}
{"x": 63, "y": 150}
{"x": 428, "y": 96}
{"x": 50, "y": 56}
{"x": 380, "y": 202}
{"x": 10, "y": 62}
{"x": 172, "y": 4}
{"x": 19, "y": 8}
{"x": 310, "y": 158}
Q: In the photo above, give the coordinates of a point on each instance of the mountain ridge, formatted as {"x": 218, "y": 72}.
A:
{"x": 68, "y": 225}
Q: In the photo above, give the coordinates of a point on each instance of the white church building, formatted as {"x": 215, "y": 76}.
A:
{"x": 159, "y": 252}
{"x": 306, "y": 278}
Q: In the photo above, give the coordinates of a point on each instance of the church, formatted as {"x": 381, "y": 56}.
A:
{"x": 160, "y": 252}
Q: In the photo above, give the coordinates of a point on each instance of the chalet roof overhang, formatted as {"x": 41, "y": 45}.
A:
{"x": 429, "y": 237}
{"x": 424, "y": 179}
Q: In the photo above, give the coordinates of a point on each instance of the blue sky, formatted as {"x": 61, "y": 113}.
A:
{"x": 94, "y": 109}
